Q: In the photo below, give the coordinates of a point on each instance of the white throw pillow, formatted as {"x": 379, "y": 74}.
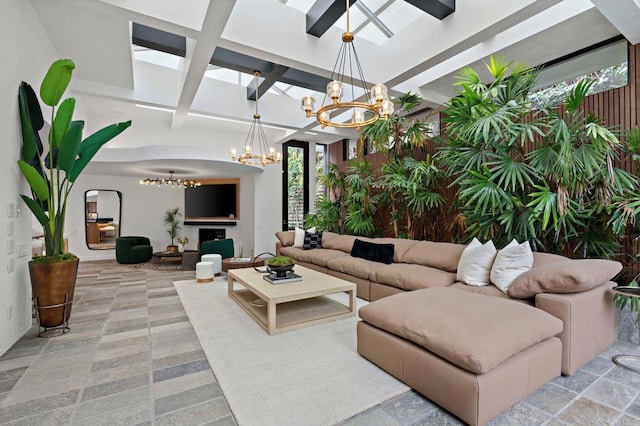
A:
{"x": 475, "y": 263}
{"x": 298, "y": 240}
{"x": 511, "y": 262}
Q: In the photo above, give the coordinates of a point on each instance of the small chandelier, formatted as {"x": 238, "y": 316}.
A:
{"x": 267, "y": 155}
{"x": 171, "y": 181}
{"x": 376, "y": 105}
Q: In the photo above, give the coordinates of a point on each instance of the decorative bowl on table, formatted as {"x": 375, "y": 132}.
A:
{"x": 281, "y": 265}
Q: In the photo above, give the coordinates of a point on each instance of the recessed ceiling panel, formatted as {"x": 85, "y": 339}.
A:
{"x": 187, "y": 13}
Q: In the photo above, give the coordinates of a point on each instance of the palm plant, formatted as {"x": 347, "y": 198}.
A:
{"x": 580, "y": 182}
{"x": 330, "y": 207}
{"x": 172, "y": 220}
{"x": 411, "y": 190}
{"x": 352, "y": 203}
{"x": 360, "y": 199}
{"x": 408, "y": 184}
{"x": 398, "y": 134}
{"x": 561, "y": 195}
{"x": 488, "y": 128}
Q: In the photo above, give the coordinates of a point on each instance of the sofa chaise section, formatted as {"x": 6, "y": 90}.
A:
{"x": 477, "y": 363}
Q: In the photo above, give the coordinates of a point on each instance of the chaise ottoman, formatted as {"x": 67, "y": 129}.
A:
{"x": 472, "y": 354}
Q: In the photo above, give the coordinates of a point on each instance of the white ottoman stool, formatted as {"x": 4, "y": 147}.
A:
{"x": 216, "y": 259}
{"x": 204, "y": 272}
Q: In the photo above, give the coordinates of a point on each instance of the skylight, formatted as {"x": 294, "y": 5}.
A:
{"x": 156, "y": 57}
{"x": 373, "y": 20}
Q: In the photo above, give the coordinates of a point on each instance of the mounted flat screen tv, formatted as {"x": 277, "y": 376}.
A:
{"x": 211, "y": 201}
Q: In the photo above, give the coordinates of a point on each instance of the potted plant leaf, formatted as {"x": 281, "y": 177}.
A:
{"x": 51, "y": 169}
{"x": 172, "y": 220}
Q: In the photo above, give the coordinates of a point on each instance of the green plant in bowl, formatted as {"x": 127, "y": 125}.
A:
{"x": 281, "y": 261}
{"x": 281, "y": 265}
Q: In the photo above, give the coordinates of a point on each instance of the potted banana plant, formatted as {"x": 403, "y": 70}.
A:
{"x": 51, "y": 168}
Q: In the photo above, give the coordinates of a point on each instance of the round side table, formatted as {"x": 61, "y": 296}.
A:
{"x": 630, "y": 362}
{"x": 229, "y": 263}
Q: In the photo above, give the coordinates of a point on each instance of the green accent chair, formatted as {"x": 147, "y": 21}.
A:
{"x": 133, "y": 249}
{"x": 222, "y": 247}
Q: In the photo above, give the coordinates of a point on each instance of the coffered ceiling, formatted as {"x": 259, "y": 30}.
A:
{"x": 195, "y": 98}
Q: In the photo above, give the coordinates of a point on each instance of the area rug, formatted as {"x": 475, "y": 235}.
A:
{"x": 311, "y": 376}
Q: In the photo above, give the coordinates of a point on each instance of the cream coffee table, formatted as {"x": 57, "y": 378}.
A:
{"x": 290, "y": 306}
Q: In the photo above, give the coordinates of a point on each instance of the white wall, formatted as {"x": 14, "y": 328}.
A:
{"x": 268, "y": 210}
{"x": 28, "y": 54}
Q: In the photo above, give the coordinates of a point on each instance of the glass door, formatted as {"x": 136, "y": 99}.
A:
{"x": 295, "y": 184}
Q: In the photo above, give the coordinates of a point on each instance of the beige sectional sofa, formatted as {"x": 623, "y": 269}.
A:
{"x": 440, "y": 336}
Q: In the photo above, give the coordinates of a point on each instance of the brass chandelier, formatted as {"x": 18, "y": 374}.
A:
{"x": 170, "y": 182}
{"x": 375, "y": 106}
{"x": 267, "y": 154}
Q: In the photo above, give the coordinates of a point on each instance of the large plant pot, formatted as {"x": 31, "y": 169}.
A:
{"x": 172, "y": 249}
{"x": 50, "y": 283}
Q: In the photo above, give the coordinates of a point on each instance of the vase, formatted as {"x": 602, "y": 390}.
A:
{"x": 53, "y": 286}
{"x": 180, "y": 248}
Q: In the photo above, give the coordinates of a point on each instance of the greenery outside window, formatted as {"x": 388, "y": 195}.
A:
{"x": 607, "y": 66}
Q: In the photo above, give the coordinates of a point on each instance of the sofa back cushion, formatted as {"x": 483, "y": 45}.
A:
{"x": 382, "y": 253}
{"x": 286, "y": 238}
{"x": 341, "y": 242}
{"x": 443, "y": 256}
{"x": 569, "y": 276}
{"x": 540, "y": 258}
{"x": 400, "y": 246}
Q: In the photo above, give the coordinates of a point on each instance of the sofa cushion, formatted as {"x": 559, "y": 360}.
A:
{"x": 540, "y": 258}
{"x": 328, "y": 236}
{"x": 443, "y": 256}
{"x": 312, "y": 241}
{"x": 382, "y": 253}
{"x": 475, "y": 263}
{"x": 317, "y": 257}
{"x": 342, "y": 242}
{"x": 512, "y": 261}
{"x": 354, "y": 266}
{"x": 400, "y": 246}
{"x": 412, "y": 277}
{"x": 299, "y": 233}
{"x": 286, "y": 238}
{"x": 569, "y": 276}
{"x": 472, "y": 331}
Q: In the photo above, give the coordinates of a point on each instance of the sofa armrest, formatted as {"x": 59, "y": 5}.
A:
{"x": 590, "y": 320}
{"x": 278, "y": 247}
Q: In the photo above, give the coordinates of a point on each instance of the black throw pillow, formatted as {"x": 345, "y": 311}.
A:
{"x": 382, "y": 253}
{"x": 312, "y": 241}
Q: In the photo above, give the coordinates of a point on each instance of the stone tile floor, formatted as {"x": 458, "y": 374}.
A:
{"x": 132, "y": 358}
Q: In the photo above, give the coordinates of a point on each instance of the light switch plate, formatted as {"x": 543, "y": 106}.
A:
{"x": 10, "y": 228}
{"x": 11, "y": 210}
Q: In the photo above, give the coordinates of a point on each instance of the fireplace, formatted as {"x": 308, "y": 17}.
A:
{"x": 207, "y": 234}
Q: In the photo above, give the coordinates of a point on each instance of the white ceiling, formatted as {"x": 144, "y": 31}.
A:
{"x": 422, "y": 57}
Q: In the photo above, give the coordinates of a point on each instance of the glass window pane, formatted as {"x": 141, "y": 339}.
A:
{"x": 374, "y": 5}
{"x": 295, "y": 196}
{"x": 373, "y": 34}
{"x": 321, "y": 169}
{"x": 400, "y": 15}
{"x": 158, "y": 58}
{"x": 223, "y": 74}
